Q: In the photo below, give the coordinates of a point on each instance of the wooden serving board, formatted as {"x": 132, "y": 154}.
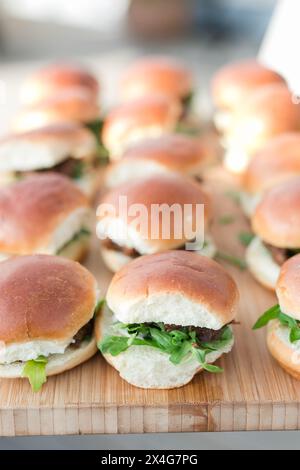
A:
{"x": 253, "y": 393}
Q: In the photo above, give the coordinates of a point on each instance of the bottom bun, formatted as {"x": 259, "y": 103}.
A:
{"x": 147, "y": 367}
{"x": 57, "y": 363}
{"x": 114, "y": 260}
{"x": 287, "y": 354}
{"x": 261, "y": 264}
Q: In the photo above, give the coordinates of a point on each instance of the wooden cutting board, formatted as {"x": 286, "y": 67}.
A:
{"x": 253, "y": 393}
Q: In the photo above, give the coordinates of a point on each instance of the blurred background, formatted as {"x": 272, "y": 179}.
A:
{"x": 107, "y": 34}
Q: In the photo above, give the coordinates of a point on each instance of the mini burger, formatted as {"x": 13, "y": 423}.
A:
{"x": 175, "y": 153}
{"x": 283, "y": 336}
{"x": 54, "y": 78}
{"x": 276, "y": 223}
{"x": 167, "y": 318}
{"x": 65, "y": 148}
{"x": 277, "y": 161}
{"x": 233, "y": 83}
{"x": 47, "y": 307}
{"x": 44, "y": 214}
{"x": 76, "y": 105}
{"x": 162, "y": 212}
{"x": 142, "y": 118}
{"x": 266, "y": 113}
{"x": 158, "y": 75}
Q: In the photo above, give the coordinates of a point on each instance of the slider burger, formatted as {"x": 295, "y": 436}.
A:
{"x": 47, "y": 307}
{"x": 142, "y": 118}
{"x": 176, "y": 153}
{"x": 44, "y": 214}
{"x": 169, "y": 207}
{"x": 65, "y": 148}
{"x": 158, "y": 75}
{"x": 276, "y": 224}
{"x": 167, "y": 318}
{"x": 277, "y": 161}
{"x": 54, "y": 78}
{"x": 233, "y": 83}
{"x": 75, "y": 104}
{"x": 284, "y": 319}
{"x": 267, "y": 112}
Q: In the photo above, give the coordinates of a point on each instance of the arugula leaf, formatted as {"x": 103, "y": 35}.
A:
{"x": 271, "y": 314}
{"x": 245, "y": 238}
{"x": 285, "y": 320}
{"x": 219, "y": 343}
{"x": 234, "y": 260}
{"x": 177, "y": 343}
{"x": 212, "y": 368}
{"x": 78, "y": 170}
{"x": 99, "y": 305}
{"x": 180, "y": 353}
{"x": 226, "y": 219}
{"x": 84, "y": 232}
{"x": 35, "y": 371}
{"x": 235, "y": 196}
{"x": 114, "y": 345}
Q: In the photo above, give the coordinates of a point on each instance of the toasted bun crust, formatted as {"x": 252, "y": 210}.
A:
{"x": 171, "y": 152}
{"x": 177, "y": 287}
{"x": 49, "y": 80}
{"x": 233, "y": 82}
{"x": 145, "y": 117}
{"x": 147, "y": 367}
{"x": 45, "y": 147}
{"x": 69, "y": 105}
{"x": 156, "y": 75}
{"x": 278, "y": 161}
{"x": 283, "y": 351}
{"x": 277, "y": 217}
{"x": 44, "y": 298}
{"x": 159, "y": 189}
{"x": 57, "y": 363}
{"x": 267, "y": 112}
{"x": 288, "y": 287}
{"x": 33, "y": 208}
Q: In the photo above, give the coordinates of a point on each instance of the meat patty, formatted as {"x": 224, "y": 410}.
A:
{"x": 109, "y": 244}
{"x": 84, "y": 332}
{"x": 202, "y": 334}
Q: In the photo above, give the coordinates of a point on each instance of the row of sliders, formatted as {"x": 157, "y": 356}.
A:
{"x": 178, "y": 305}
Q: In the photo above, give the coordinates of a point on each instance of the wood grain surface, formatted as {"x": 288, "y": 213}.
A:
{"x": 253, "y": 393}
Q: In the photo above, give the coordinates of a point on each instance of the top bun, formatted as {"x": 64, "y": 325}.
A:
{"x": 175, "y": 287}
{"x": 44, "y": 298}
{"x": 288, "y": 287}
{"x": 145, "y": 117}
{"x": 151, "y": 192}
{"x": 170, "y": 152}
{"x": 233, "y": 82}
{"x": 45, "y": 147}
{"x": 75, "y": 104}
{"x": 276, "y": 162}
{"x": 32, "y": 209}
{"x": 47, "y": 81}
{"x": 277, "y": 217}
{"x": 153, "y": 75}
{"x": 267, "y": 112}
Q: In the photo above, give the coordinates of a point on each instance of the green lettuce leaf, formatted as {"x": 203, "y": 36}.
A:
{"x": 274, "y": 313}
{"x": 35, "y": 371}
{"x": 178, "y": 344}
